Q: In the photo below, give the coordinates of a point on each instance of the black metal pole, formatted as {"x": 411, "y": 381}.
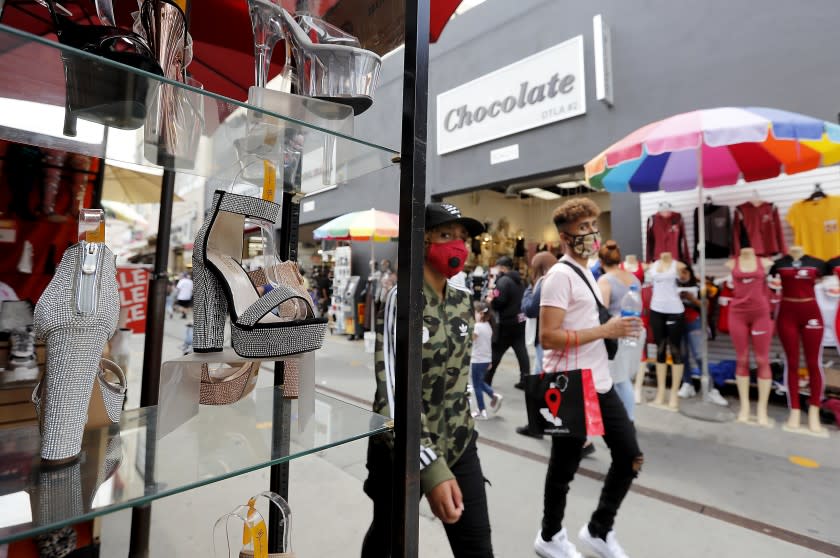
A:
{"x": 407, "y": 401}
{"x": 153, "y": 348}
{"x": 141, "y": 517}
{"x": 287, "y": 243}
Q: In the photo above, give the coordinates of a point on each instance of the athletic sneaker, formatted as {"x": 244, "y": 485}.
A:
{"x": 687, "y": 391}
{"x": 716, "y": 398}
{"x": 558, "y": 547}
{"x": 481, "y": 415}
{"x": 496, "y": 402}
{"x": 601, "y": 548}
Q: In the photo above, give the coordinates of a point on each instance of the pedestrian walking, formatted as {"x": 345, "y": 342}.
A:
{"x": 184, "y": 294}
{"x": 541, "y": 263}
{"x": 569, "y": 310}
{"x": 506, "y": 300}
{"x": 615, "y": 283}
{"x": 482, "y": 354}
{"x": 450, "y": 471}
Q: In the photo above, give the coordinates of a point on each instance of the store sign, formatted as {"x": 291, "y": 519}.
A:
{"x": 544, "y": 88}
{"x": 133, "y": 282}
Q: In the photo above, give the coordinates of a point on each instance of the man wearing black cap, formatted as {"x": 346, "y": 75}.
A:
{"x": 506, "y": 300}
{"x": 450, "y": 472}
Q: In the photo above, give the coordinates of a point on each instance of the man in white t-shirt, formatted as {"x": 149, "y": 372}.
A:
{"x": 184, "y": 294}
{"x": 568, "y": 309}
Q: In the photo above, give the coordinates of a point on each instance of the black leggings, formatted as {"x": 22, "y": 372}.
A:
{"x": 668, "y": 330}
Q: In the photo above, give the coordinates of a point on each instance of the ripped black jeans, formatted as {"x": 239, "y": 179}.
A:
{"x": 566, "y": 452}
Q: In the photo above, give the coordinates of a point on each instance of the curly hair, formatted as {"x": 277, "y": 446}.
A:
{"x": 574, "y": 209}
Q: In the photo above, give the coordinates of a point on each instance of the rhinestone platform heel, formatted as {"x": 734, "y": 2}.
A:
{"x": 222, "y": 286}
{"x": 76, "y": 315}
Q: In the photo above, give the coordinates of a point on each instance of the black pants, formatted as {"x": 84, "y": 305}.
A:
{"x": 510, "y": 335}
{"x": 620, "y": 436}
{"x": 468, "y": 538}
{"x": 668, "y": 330}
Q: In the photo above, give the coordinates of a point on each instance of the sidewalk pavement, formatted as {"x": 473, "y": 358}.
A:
{"x": 706, "y": 489}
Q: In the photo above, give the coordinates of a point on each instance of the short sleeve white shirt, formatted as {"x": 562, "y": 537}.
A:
{"x": 563, "y": 288}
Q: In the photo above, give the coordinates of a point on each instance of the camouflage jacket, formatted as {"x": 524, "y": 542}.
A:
{"x": 446, "y": 423}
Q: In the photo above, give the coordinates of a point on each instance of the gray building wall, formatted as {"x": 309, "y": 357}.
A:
{"x": 669, "y": 56}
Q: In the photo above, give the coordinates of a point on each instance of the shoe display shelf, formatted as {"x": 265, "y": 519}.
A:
{"x": 209, "y": 136}
{"x": 133, "y": 465}
{"x": 148, "y": 456}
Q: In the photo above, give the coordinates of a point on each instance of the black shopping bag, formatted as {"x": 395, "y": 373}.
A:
{"x": 564, "y": 402}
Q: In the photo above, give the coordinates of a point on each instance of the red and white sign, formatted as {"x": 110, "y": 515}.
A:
{"x": 134, "y": 295}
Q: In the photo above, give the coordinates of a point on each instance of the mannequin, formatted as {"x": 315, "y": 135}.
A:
{"x": 749, "y": 319}
{"x": 800, "y": 320}
{"x": 631, "y": 264}
{"x": 667, "y": 319}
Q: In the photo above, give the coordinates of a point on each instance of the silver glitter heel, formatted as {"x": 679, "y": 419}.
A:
{"x": 76, "y": 315}
{"x": 222, "y": 284}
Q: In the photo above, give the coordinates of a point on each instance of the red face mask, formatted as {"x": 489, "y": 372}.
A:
{"x": 447, "y": 258}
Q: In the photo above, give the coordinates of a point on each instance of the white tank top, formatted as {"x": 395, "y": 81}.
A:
{"x": 666, "y": 297}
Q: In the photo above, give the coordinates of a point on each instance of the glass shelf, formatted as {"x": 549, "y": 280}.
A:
{"x": 207, "y": 135}
{"x": 126, "y": 467}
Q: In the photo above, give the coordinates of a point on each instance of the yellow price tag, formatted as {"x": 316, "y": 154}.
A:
{"x": 97, "y": 235}
{"x": 256, "y": 534}
{"x": 269, "y": 180}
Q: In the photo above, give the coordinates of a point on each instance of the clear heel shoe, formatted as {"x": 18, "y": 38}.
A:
{"x": 222, "y": 285}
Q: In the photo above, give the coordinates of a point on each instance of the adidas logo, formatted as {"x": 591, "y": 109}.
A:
{"x": 464, "y": 329}
{"x": 451, "y": 209}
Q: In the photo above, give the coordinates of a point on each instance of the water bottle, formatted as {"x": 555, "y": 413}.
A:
{"x": 631, "y": 307}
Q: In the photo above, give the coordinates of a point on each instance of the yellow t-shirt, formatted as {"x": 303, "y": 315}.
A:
{"x": 816, "y": 226}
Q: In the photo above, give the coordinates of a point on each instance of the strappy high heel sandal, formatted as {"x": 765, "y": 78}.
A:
{"x": 76, "y": 315}
{"x": 222, "y": 286}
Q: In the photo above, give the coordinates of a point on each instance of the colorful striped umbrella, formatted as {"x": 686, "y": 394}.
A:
{"x": 710, "y": 148}
{"x": 379, "y": 226}
{"x": 715, "y": 147}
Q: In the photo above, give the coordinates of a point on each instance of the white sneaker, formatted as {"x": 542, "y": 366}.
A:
{"x": 496, "y": 402}
{"x": 604, "y": 549}
{"x": 481, "y": 415}
{"x": 558, "y": 547}
{"x": 687, "y": 391}
{"x": 716, "y": 398}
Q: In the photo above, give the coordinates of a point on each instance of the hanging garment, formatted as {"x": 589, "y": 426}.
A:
{"x": 835, "y": 265}
{"x": 816, "y": 226}
{"x": 760, "y": 228}
{"x": 718, "y": 231}
{"x": 666, "y": 233}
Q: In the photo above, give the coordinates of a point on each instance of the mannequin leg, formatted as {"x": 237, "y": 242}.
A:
{"x": 743, "y": 383}
{"x": 676, "y": 333}
{"x": 661, "y": 376}
{"x": 764, "y": 387}
{"x": 676, "y": 380}
{"x": 814, "y": 424}
{"x": 660, "y": 336}
{"x": 787, "y": 326}
{"x": 640, "y": 382}
{"x": 761, "y": 346}
{"x": 794, "y": 422}
{"x": 811, "y": 345}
